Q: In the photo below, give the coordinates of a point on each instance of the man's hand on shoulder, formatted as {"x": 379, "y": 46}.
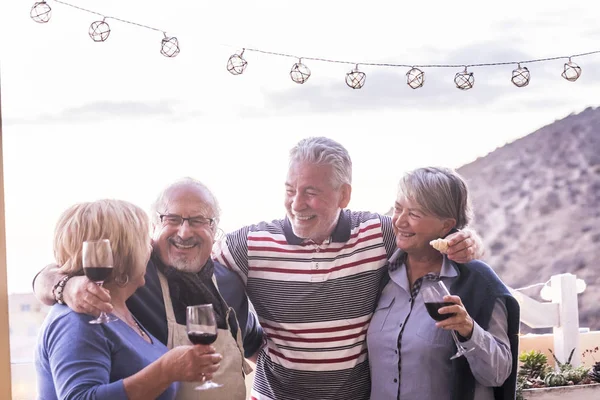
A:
{"x": 464, "y": 246}
{"x": 84, "y": 296}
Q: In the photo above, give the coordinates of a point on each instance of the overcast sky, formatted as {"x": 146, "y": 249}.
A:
{"x": 85, "y": 120}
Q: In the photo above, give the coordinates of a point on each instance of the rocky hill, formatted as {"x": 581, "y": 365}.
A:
{"x": 537, "y": 207}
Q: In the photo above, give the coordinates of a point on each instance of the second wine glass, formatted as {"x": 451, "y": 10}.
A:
{"x": 97, "y": 260}
{"x": 202, "y": 329}
{"x": 433, "y": 296}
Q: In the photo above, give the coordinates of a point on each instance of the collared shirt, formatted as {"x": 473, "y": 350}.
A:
{"x": 314, "y": 302}
{"x": 425, "y": 370}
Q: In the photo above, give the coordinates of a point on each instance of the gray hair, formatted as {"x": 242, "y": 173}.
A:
{"x": 161, "y": 201}
{"x": 325, "y": 151}
{"x": 441, "y": 192}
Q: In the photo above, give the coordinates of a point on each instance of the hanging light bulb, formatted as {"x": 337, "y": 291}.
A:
{"x": 40, "y": 12}
{"x": 415, "y": 78}
{"x": 356, "y": 79}
{"x": 571, "y": 71}
{"x": 464, "y": 80}
{"x": 237, "y": 64}
{"x": 99, "y": 31}
{"x": 299, "y": 72}
{"x": 169, "y": 46}
{"x": 520, "y": 76}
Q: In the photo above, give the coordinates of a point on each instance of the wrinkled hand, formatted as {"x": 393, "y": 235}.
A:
{"x": 461, "y": 321}
{"x": 84, "y": 296}
{"x": 464, "y": 246}
{"x": 191, "y": 363}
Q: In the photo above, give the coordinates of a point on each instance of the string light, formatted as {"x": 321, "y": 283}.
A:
{"x": 299, "y": 72}
{"x": 415, "y": 78}
{"x": 464, "y": 80}
{"x": 572, "y": 71}
{"x": 99, "y": 31}
{"x": 520, "y": 76}
{"x": 356, "y": 79}
{"x": 547, "y": 291}
{"x": 169, "y": 46}
{"x": 40, "y": 12}
{"x": 236, "y": 65}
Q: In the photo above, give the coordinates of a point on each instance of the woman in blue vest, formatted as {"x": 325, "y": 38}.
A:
{"x": 409, "y": 352}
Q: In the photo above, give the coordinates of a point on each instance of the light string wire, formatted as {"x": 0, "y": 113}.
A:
{"x": 327, "y": 60}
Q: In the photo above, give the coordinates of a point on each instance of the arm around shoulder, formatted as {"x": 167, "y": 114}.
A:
{"x": 44, "y": 282}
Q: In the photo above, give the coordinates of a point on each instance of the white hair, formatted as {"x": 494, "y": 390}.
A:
{"x": 325, "y": 151}
{"x": 161, "y": 201}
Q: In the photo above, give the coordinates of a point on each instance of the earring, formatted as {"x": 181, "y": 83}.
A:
{"x": 122, "y": 282}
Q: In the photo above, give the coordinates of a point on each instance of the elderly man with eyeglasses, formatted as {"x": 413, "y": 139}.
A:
{"x": 180, "y": 273}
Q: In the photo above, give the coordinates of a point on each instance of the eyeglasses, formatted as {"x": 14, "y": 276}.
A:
{"x": 193, "y": 222}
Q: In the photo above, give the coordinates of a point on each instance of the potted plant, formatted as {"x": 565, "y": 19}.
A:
{"x": 538, "y": 380}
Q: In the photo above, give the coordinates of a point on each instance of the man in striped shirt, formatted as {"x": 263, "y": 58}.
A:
{"x": 314, "y": 278}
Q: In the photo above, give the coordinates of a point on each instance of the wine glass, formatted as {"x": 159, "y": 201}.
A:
{"x": 433, "y": 296}
{"x": 98, "y": 265}
{"x": 202, "y": 329}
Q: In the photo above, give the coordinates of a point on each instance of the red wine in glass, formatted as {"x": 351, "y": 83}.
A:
{"x": 202, "y": 329}
{"x": 202, "y": 337}
{"x": 97, "y": 274}
{"x": 433, "y": 296}
{"x": 433, "y": 308}
{"x": 97, "y": 260}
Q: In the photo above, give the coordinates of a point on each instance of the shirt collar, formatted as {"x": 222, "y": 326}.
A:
{"x": 340, "y": 234}
{"x": 449, "y": 268}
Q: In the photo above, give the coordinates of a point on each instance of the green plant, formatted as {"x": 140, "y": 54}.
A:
{"x": 533, "y": 364}
{"x": 594, "y": 373}
{"x": 570, "y": 374}
{"x": 555, "y": 379}
{"x": 534, "y": 372}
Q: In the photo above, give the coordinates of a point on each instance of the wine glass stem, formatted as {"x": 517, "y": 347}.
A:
{"x": 456, "y": 341}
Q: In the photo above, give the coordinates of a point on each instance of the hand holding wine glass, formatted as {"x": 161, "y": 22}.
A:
{"x": 434, "y": 297}
{"x": 97, "y": 263}
{"x": 202, "y": 329}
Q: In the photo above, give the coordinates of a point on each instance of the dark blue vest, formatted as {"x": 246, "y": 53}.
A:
{"x": 479, "y": 287}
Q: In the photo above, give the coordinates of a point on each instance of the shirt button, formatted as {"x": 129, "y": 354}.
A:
{"x": 395, "y": 380}
{"x": 318, "y": 250}
{"x": 396, "y": 351}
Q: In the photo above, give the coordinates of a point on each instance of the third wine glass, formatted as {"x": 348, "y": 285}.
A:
{"x": 97, "y": 260}
{"x": 202, "y": 329}
{"x": 433, "y": 296}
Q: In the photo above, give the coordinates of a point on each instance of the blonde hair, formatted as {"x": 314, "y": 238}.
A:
{"x": 441, "y": 192}
{"x": 125, "y": 225}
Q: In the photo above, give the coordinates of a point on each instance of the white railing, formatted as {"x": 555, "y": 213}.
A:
{"x": 561, "y": 314}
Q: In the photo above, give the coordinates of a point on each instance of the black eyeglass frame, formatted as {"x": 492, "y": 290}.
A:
{"x": 203, "y": 221}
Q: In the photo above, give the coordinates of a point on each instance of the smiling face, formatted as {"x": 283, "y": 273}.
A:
{"x": 185, "y": 246}
{"x": 313, "y": 202}
{"x": 414, "y": 228}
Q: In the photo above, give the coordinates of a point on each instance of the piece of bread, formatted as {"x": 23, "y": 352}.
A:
{"x": 440, "y": 245}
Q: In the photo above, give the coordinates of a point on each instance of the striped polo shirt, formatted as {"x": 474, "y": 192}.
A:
{"x": 314, "y": 302}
